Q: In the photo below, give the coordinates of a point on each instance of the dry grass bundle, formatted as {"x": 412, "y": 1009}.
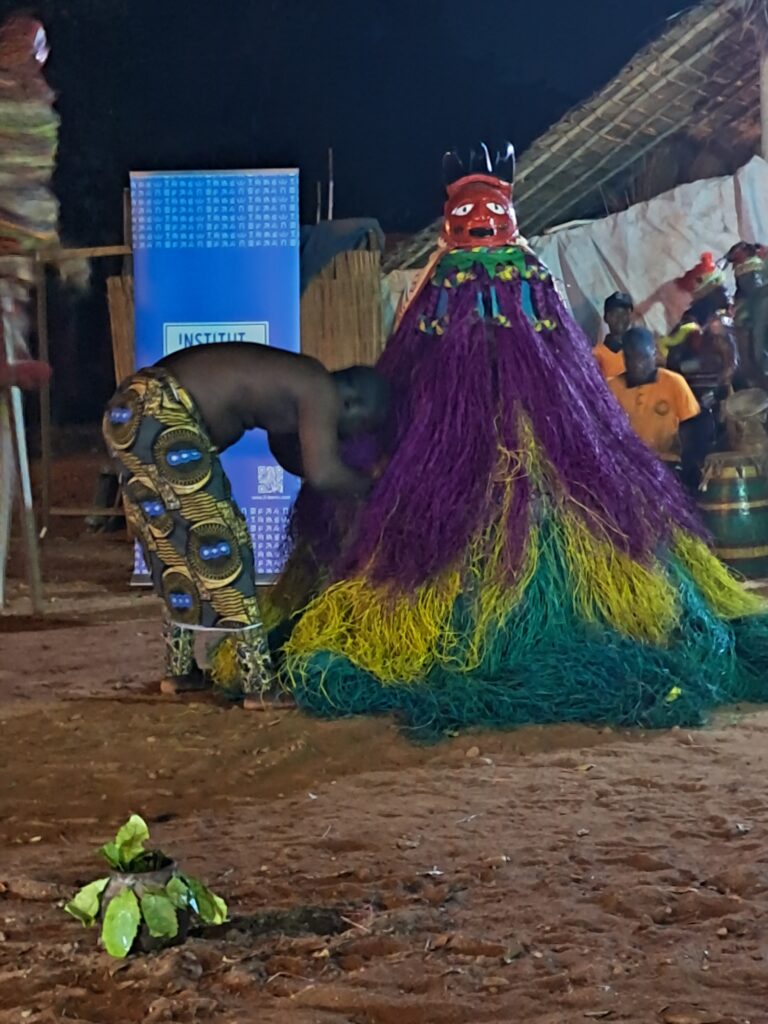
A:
{"x": 341, "y": 322}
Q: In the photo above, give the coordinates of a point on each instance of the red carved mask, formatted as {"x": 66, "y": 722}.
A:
{"x": 479, "y": 212}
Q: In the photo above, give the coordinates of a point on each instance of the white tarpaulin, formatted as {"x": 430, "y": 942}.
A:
{"x": 643, "y": 249}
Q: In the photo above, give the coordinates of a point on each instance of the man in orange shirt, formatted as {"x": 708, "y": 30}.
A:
{"x": 661, "y": 407}
{"x": 617, "y": 313}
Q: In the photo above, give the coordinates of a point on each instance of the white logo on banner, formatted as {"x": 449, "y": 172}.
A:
{"x": 179, "y": 336}
{"x": 270, "y": 480}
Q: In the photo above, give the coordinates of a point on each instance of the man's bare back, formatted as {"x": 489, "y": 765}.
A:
{"x": 238, "y": 386}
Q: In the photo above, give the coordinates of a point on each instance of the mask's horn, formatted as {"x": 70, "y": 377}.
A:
{"x": 505, "y": 163}
{"x": 453, "y": 168}
{"x": 480, "y": 161}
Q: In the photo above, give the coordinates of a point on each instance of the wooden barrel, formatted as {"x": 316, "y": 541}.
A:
{"x": 733, "y": 498}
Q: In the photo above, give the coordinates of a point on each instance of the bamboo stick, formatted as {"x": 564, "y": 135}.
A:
{"x": 45, "y": 396}
{"x": 331, "y": 183}
{"x": 121, "y": 315}
{"x": 7, "y": 488}
{"x": 87, "y": 253}
{"x": 764, "y": 102}
{"x": 15, "y": 410}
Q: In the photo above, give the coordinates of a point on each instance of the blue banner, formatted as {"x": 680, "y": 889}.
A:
{"x": 216, "y": 258}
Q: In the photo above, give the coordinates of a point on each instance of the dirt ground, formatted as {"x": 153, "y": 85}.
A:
{"x": 548, "y": 875}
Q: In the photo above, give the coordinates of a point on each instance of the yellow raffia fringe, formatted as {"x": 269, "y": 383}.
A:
{"x": 400, "y": 637}
{"x": 497, "y": 595}
{"x": 608, "y": 586}
{"x": 271, "y": 613}
{"x": 291, "y": 591}
{"x": 397, "y": 637}
{"x": 719, "y": 587}
{"x": 223, "y": 665}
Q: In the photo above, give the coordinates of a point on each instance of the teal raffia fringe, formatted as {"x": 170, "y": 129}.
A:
{"x": 545, "y": 665}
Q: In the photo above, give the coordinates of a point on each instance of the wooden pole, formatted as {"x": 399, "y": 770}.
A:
{"x": 331, "y": 185}
{"x": 764, "y": 100}
{"x": 87, "y": 252}
{"x": 7, "y": 487}
{"x": 45, "y": 396}
{"x": 34, "y": 577}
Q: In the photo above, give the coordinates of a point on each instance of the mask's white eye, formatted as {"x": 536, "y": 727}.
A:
{"x": 496, "y": 208}
{"x": 463, "y": 210}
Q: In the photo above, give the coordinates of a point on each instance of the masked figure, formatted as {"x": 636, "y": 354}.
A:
{"x": 523, "y": 557}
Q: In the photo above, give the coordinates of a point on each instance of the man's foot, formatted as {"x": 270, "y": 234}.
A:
{"x": 193, "y": 682}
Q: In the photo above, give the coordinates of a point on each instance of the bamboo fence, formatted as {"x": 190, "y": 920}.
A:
{"x": 341, "y": 321}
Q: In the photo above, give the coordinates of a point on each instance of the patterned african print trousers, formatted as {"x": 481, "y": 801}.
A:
{"x": 179, "y": 506}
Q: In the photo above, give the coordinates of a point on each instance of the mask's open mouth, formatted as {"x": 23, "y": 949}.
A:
{"x": 482, "y": 232}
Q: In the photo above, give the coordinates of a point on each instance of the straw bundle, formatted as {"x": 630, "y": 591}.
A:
{"x": 341, "y": 321}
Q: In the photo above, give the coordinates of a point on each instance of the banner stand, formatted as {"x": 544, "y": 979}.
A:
{"x": 216, "y": 259}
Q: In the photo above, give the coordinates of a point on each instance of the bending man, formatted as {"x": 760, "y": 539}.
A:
{"x": 167, "y": 425}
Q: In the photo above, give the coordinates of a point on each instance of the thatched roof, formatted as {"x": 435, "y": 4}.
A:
{"x": 698, "y": 81}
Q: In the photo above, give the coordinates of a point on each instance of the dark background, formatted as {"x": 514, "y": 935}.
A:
{"x": 390, "y": 84}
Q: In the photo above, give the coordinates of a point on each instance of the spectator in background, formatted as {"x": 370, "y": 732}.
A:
{"x": 702, "y": 348}
{"x": 750, "y": 315}
{"x": 661, "y": 407}
{"x": 707, "y": 357}
{"x": 617, "y": 313}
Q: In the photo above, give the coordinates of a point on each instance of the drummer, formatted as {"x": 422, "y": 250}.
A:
{"x": 750, "y": 317}
{"x": 703, "y": 348}
{"x": 661, "y": 407}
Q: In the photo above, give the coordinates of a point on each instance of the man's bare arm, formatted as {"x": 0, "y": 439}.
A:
{"x": 318, "y": 436}
{"x": 287, "y": 450}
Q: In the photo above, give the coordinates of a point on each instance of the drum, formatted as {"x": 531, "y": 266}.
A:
{"x": 733, "y": 499}
{"x": 745, "y": 413}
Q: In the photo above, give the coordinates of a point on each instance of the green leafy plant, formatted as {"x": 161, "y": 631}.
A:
{"x": 145, "y": 896}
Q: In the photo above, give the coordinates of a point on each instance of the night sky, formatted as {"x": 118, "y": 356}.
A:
{"x": 390, "y": 84}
